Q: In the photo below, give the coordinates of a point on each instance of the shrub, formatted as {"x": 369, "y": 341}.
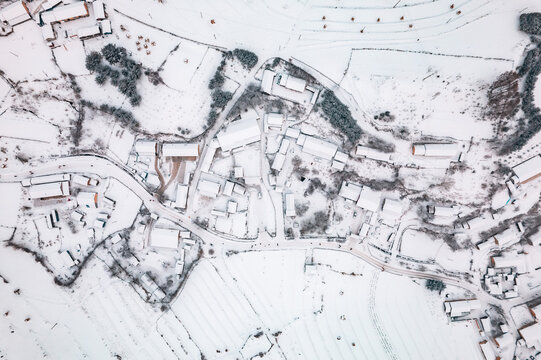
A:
{"x": 220, "y": 98}
{"x": 113, "y": 54}
{"x": 531, "y": 23}
{"x": 93, "y": 60}
{"x": 217, "y": 81}
{"x": 247, "y": 58}
{"x": 435, "y": 285}
{"x": 339, "y": 116}
{"x": 212, "y": 117}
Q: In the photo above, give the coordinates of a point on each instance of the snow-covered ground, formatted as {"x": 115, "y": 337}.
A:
{"x": 343, "y": 308}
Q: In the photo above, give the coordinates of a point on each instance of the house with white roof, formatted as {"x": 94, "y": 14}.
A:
{"x": 319, "y": 148}
{"x": 532, "y": 335}
{"x": 369, "y": 199}
{"x": 507, "y": 238}
{"x": 99, "y": 10}
{"x": 181, "y": 196}
{"x": 87, "y": 199}
{"x": 456, "y": 308}
{"x": 164, "y": 238}
{"x": 146, "y": 147}
{"x": 292, "y": 83}
{"x": 67, "y": 12}
{"x": 239, "y": 133}
{"x": 278, "y": 162}
{"x": 185, "y": 150}
{"x": 49, "y": 190}
{"x": 528, "y": 170}
{"x": 392, "y": 207}
{"x": 350, "y": 191}
{"x": 267, "y": 81}
{"x": 504, "y": 340}
{"x": 273, "y": 121}
{"x": 208, "y": 188}
{"x": 371, "y": 153}
{"x": 15, "y": 13}
{"x": 88, "y": 32}
{"x": 290, "y": 204}
{"x": 435, "y": 150}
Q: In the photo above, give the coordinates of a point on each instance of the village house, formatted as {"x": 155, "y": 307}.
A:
{"x": 49, "y": 190}
{"x": 239, "y": 133}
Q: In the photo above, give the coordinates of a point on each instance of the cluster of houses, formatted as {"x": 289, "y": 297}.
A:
{"x": 86, "y": 207}
{"x": 50, "y": 15}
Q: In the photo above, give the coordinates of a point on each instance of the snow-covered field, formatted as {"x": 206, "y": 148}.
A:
{"x": 345, "y": 309}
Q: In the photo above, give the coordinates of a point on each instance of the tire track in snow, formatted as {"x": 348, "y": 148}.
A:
{"x": 376, "y": 322}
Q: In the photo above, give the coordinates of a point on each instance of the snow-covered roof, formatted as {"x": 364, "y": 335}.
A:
{"x": 532, "y": 335}
{"x": 292, "y": 83}
{"x": 504, "y": 340}
{"x": 462, "y": 307}
{"x": 392, "y": 207}
{"x": 105, "y": 26}
{"x": 369, "y": 199}
{"x": 536, "y": 238}
{"x": 284, "y": 145}
{"x": 45, "y": 179}
{"x": 181, "y": 196}
{"x": 338, "y": 165}
{"x": 372, "y": 153}
{"x": 80, "y": 180}
{"x": 487, "y": 350}
{"x": 267, "y": 81}
{"x": 15, "y": 13}
{"x": 88, "y": 199}
{"x": 67, "y": 12}
{"x": 477, "y": 222}
{"x": 46, "y": 5}
{"x": 180, "y": 150}
{"x": 239, "y": 133}
{"x": 446, "y": 211}
{"x": 508, "y": 261}
{"x": 350, "y": 191}
{"x": 436, "y": 150}
{"x": 145, "y": 147}
{"x": 290, "y": 205}
{"x": 47, "y": 32}
{"x": 164, "y": 238}
{"x": 232, "y": 206}
{"x": 228, "y": 188}
{"x": 365, "y": 228}
{"x": 208, "y": 188}
{"x": 88, "y": 31}
{"x": 341, "y": 156}
{"x": 278, "y": 162}
{"x": 274, "y": 119}
{"x": 293, "y": 132}
{"x": 529, "y": 169}
{"x": 319, "y": 148}
{"x": 99, "y": 10}
{"x": 49, "y": 190}
{"x": 507, "y": 237}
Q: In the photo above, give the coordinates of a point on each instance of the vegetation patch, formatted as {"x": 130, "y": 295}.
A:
{"x": 339, "y": 116}
{"x": 531, "y": 23}
{"x": 124, "y": 76}
{"x": 247, "y": 58}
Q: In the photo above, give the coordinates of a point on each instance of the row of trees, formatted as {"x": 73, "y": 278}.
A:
{"x": 125, "y": 78}
{"x": 219, "y": 97}
{"x": 530, "y": 124}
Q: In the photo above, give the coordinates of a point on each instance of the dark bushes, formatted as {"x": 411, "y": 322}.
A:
{"x": 247, "y": 58}
{"x": 125, "y": 79}
{"x": 531, "y": 23}
{"x": 339, "y": 116}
